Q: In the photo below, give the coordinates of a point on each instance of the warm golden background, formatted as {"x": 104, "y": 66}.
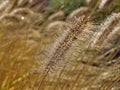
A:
{"x": 59, "y": 44}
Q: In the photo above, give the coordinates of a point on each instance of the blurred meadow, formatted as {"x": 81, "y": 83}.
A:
{"x": 59, "y": 44}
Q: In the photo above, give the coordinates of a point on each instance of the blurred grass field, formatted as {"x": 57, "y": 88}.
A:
{"x": 59, "y": 45}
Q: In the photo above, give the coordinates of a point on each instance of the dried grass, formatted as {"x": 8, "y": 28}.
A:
{"x": 41, "y": 54}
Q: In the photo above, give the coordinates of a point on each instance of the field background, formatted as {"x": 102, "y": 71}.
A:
{"x": 59, "y": 44}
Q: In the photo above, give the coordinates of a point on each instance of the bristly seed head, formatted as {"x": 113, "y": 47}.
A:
{"x": 64, "y": 43}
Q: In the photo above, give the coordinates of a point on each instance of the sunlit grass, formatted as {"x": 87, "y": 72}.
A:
{"x": 44, "y": 48}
